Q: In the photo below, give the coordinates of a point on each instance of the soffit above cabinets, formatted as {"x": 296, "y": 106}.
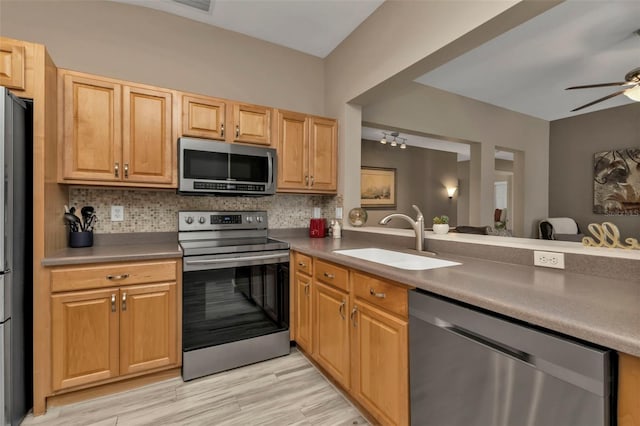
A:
{"x": 315, "y": 27}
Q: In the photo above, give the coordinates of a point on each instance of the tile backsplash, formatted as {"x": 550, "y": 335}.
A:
{"x": 157, "y": 210}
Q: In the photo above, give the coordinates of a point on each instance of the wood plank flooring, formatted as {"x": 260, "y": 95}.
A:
{"x": 283, "y": 391}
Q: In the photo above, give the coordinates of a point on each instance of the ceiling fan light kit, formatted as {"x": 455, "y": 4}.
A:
{"x": 632, "y": 90}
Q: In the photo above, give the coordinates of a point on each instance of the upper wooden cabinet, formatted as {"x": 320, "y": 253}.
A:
{"x": 203, "y": 117}
{"x": 12, "y": 65}
{"x": 116, "y": 134}
{"x": 219, "y": 119}
{"x": 307, "y": 153}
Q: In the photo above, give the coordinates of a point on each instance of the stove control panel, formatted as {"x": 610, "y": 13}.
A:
{"x": 217, "y": 220}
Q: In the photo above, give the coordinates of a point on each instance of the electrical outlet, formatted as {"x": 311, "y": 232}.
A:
{"x": 548, "y": 259}
{"x": 338, "y": 212}
{"x": 117, "y": 213}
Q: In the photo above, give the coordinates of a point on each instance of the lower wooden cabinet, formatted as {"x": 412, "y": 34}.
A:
{"x": 113, "y": 331}
{"x": 380, "y": 363}
{"x": 303, "y": 312}
{"x": 331, "y": 332}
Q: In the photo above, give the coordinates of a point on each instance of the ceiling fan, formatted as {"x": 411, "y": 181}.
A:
{"x": 631, "y": 90}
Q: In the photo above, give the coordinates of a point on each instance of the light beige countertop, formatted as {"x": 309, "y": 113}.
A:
{"x": 605, "y": 311}
{"x": 119, "y": 248}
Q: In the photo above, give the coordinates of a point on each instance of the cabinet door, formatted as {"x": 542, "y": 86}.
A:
{"x": 380, "y": 380}
{"x": 148, "y": 148}
{"x": 92, "y": 129}
{"x": 252, "y": 124}
{"x": 293, "y": 151}
{"x": 84, "y": 336}
{"x": 323, "y": 154}
{"x": 203, "y": 117}
{"x": 12, "y": 65}
{"x": 148, "y": 327}
{"x": 331, "y": 332}
{"x": 303, "y": 311}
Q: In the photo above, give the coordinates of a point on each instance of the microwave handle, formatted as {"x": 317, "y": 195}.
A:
{"x": 270, "y": 180}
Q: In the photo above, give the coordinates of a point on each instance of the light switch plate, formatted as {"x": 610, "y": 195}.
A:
{"x": 117, "y": 213}
{"x": 548, "y": 259}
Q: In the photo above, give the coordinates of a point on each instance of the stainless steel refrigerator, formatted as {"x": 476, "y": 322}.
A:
{"x": 13, "y": 273}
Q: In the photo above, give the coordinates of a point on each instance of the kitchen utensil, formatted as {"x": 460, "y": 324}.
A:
{"x": 73, "y": 221}
{"x": 90, "y": 222}
{"x": 86, "y": 212}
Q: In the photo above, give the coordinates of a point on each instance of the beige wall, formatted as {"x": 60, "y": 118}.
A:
{"x": 422, "y": 176}
{"x": 148, "y": 46}
{"x": 427, "y": 110}
{"x": 573, "y": 141}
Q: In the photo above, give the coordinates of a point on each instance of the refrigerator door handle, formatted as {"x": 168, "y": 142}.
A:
{"x": 6, "y": 271}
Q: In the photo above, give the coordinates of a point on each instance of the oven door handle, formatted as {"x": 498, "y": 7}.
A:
{"x": 234, "y": 259}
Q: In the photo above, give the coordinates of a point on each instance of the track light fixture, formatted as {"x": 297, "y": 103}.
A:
{"x": 394, "y": 142}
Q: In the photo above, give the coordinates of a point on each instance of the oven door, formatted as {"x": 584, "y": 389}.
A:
{"x": 227, "y": 298}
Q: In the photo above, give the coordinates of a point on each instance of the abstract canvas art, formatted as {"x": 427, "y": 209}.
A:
{"x": 616, "y": 182}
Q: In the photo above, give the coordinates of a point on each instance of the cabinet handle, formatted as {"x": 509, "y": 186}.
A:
{"x": 124, "y": 301}
{"x": 117, "y": 277}
{"x": 116, "y": 169}
{"x": 379, "y": 295}
{"x": 113, "y": 303}
{"x": 306, "y": 289}
{"x": 237, "y": 131}
{"x": 302, "y": 264}
{"x": 328, "y": 275}
{"x": 222, "y": 130}
{"x": 312, "y": 181}
{"x": 306, "y": 180}
{"x": 341, "y": 310}
{"x": 353, "y": 316}
{"x": 126, "y": 171}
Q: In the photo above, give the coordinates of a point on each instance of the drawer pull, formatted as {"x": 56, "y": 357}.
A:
{"x": 341, "y": 310}
{"x": 117, "y": 277}
{"x": 302, "y": 264}
{"x": 222, "y": 130}
{"x": 353, "y": 316}
{"x": 124, "y": 301}
{"x": 328, "y": 275}
{"x": 113, "y": 303}
{"x": 126, "y": 171}
{"x": 306, "y": 289}
{"x": 237, "y": 131}
{"x": 116, "y": 170}
{"x": 378, "y": 295}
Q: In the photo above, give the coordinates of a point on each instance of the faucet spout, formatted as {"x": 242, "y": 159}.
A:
{"x": 417, "y": 225}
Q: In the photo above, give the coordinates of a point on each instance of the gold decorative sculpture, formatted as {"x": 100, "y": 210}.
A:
{"x": 608, "y": 235}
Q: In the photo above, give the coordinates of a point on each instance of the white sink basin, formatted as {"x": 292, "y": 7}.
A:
{"x": 397, "y": 259}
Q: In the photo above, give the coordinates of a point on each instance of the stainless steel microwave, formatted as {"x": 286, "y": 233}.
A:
{"x": 212, "y": 167}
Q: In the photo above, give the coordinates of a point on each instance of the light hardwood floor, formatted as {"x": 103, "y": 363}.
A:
{"x": 283, "y": 391}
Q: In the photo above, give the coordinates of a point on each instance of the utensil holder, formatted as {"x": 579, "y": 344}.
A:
{"x": 81, "y": 239}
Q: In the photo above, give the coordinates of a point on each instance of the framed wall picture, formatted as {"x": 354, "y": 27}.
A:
{"x": 616, "y": 182}
{"x": 378, "y": 187}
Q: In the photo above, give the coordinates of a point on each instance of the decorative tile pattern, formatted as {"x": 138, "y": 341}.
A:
{"x": 157, "y": 210}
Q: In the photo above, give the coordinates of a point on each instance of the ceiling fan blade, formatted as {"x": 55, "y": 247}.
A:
{"x": 599, "y": 100}
{"x": 589, "y": 86}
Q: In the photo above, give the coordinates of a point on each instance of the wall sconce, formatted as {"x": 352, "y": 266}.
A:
{"x": 450, "y": 191}
{"x": 394, "y": 142}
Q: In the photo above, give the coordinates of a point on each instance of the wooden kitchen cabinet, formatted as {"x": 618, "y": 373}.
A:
{"x": 84, "y": 335}
{"x": 307, "y": 153}
{"x": 331, "y": 332}
{"x": 127, "y": 324}
{"x": 628, "y": 390}
{"x": 115, "y": 133}
{"x": 303, "y": 311}
{"x": 220, "y": 119}
{"x": 380, "y": 363}
{"x": 13, "y": 62}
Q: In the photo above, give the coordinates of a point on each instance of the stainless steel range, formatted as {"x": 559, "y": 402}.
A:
{"x": 235, "y": 291}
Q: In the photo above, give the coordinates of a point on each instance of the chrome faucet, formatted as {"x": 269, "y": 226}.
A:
{"x": 417, "y": 225}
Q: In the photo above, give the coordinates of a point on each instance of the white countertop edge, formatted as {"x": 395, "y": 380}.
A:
{"x": 523, "y": 243}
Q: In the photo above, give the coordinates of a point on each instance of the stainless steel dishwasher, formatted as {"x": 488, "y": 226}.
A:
{"x": 473, "y": 368}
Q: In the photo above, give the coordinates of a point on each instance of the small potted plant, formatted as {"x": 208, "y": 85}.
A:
{"x": 441, "y": 224}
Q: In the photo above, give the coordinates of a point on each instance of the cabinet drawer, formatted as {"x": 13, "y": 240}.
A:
{"x": 331, "y": 274}
{"x": 303, "y": 263}
{"x": 108, "y": 275}
{"x": 381, "y": 293}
